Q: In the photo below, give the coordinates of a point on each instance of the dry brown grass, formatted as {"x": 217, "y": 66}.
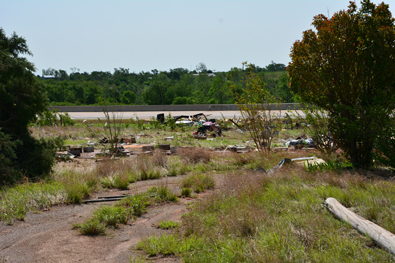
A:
{"x": 194, "y": 155}
{"x": 159, "y": 159}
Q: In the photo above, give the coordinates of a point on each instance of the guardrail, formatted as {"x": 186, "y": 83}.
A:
{"x": 165, "y": 108}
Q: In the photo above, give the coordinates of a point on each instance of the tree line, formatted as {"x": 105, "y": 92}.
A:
{"x": 176, "y": 86}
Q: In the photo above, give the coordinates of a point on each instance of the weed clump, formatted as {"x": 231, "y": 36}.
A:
{"x": 137, "y": 203}
{"x": 186, "y": 192}
{"x": 17, "y": 201}
{"x": 112, "y": 215}
{"x": 106, "y": 216}
{"x": 91, "y": 227}
{"x": 162, "y": 194}
{"x": 168, "y": 224}
{"x": 194, "y": 155}
{"x": 199, "y": 182}
{"x": 118, "y": 182}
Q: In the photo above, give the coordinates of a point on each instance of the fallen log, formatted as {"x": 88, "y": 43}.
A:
{"x": 382, "y": 237}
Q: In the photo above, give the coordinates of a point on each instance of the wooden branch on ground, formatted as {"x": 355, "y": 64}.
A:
{"x": 382, "y": 237}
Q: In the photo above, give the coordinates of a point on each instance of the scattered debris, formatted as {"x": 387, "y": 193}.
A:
{"x": 89, "y": 149}
{"x": 128, "y": 141}
{"x": 208, "y": 128}
{"x": 147, "y": 148}
{"x": 164, "y": 147}
{"x": 299, "y": 161}
{"x": 75, "y": 151}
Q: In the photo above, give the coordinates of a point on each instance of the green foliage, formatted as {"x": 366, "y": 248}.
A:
{"x": 54, "y": 117}
{"x": 280, "y": 218}
{"x": 119, "y": 182}
{"x": 186, "y": 192}
{"x": 15, "y": 202}
{"x": 165, "y": 244}
{"x": 76, "y": 186}
{"x": 112, "y": 215}
{"x": 347, "y": 68}
{"x": 318, "y": 129}
{"x": 252, "y": 98}
{"x": 137, "y": 202}
{"x": 163, "y": 194}
{"x": 22, "y": 98}
{"x": 329, "y": 165}
{"x": 128, "y": 97}
{"x": 199, "y": 182}
{"x": 176, "y": 86}
{"x": 8, "y": 169}
{"x": 168, "y": 224}
{"x": 91, "y": 227}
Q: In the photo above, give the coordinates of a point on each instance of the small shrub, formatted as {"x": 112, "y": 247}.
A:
{"x": 165, "y": 244}
{"x": 186, "y": 192}
{"x": 163, "y": 194}
{"x": 168, "y": 224}
{"x": 107, "y": 182}
{"x": 121, "y": 182}
{"x": 199, "y": 182}
{"x": 118, "y": 182}
{"x": 91, "y": 227}
{"x": 172, "y": 171}
{"x": 132, "y": 178}
{"x": 112, "y": 215}
{"x": 138, "y": 203}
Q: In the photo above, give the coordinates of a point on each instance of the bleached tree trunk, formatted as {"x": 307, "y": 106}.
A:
{"x": 382, "y": 237}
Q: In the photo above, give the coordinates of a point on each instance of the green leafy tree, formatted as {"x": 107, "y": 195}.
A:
{"x": 259, "y": 120}
{"x": 128, "y": 97}
{"x": 156, "y": 92}
{"x": 22, "y": 98}
{"x": 346, "y": 66}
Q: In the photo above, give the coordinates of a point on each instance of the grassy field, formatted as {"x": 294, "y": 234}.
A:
{"x": 251, "y": 217}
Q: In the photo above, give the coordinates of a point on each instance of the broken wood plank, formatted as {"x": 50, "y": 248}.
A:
{"x": 101, "y": 200}
{"x": 112, "y": 196}
{"x": 382, "y": 237}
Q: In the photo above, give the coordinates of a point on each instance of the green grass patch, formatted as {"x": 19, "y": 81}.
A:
{"x": 103, "y": 217}
{"x": 112, "y": 215}
{"x": 91, "y": 227}
{"x": 199, "y": 182}
{"x": 162, "y": 194}
{"x": 17, "y": 201}
{"x": 137, "y": 203}
{"x": 186, "y": 192}
{"x": 168, "y": 224}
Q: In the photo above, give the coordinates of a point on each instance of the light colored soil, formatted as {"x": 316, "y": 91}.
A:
{"x": 48, "y": 236}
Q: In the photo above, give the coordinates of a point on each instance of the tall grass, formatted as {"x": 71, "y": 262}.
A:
{"x": 17, "y": 201}
{"x": 279, "y": 217}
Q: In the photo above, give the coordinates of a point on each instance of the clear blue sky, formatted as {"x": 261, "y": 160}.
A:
{"x": 142, "y": 35}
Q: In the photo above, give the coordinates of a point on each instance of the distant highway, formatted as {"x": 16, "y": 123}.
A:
{"x": 149, "y": 114}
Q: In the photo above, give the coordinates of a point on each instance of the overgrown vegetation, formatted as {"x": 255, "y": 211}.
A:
{"x": 280, "y": 218}
{"x": 22, "y": 98}
{"x": 346, "y": 67}
{"x": 254, "y": 99}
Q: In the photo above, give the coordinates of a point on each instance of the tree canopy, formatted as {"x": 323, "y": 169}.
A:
{"x": 176, "y": 86}
{"x": 22, "y": 98}
{"x": 347, "y": 67}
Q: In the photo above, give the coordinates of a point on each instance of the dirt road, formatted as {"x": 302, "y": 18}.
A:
{"x": 48, "y": 236}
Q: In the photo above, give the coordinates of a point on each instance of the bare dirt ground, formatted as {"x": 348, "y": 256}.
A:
{"x": 48, "y": 236}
